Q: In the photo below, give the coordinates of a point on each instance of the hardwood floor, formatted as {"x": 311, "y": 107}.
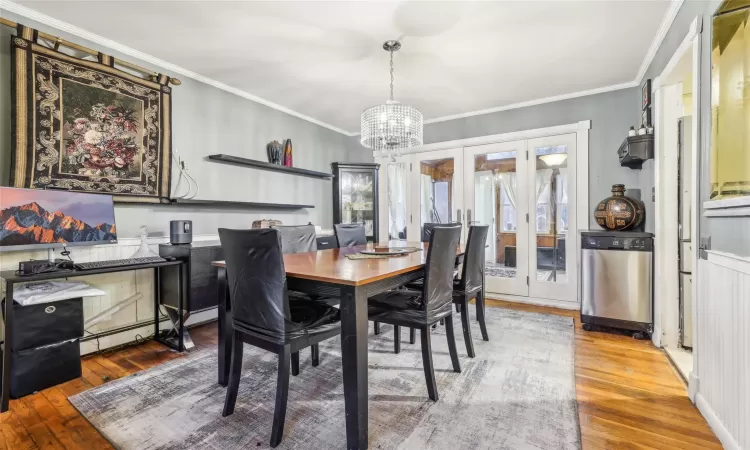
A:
{"x": 629, "y": 396}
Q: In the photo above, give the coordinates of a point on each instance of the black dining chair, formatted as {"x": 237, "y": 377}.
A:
{"x": 428, "y": 227}
{"x": 471, "y": 284}
{"x": 301, "y": 239}
{"x": 263, "y": 315}
{"x": 297, "y": 238}
{"x": 421, "y": 309}
{"x": 350, "y": 235}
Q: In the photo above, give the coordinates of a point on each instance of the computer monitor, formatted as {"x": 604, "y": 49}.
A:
{"x": 33, "y": 219}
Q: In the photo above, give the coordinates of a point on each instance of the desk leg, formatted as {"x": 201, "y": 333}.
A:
{"x": 7, "y": 346}
{"x": 225, "y": 327}
{"x": 181, "y": 311}
{"x": 157, "y": 302}
{"x": 354, "y": 360}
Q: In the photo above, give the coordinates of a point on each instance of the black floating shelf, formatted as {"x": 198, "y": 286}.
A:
{"x": 268, "y": 166}
{"x": 233, "y": 204}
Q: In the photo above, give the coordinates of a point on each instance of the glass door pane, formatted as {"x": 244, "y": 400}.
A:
{"x": 552, "y": 203}
{"x": 437, "y": 189}
{"x": 495, "y": 193}
{"x": 357, "y": 199}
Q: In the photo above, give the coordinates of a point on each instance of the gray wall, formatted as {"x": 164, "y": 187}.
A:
{"x": 208, "y": 120}
{"x": 611, "y": 115}
{"x": 730, "y": 235}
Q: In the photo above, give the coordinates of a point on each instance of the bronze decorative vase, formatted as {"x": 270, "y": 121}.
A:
{"x": 618, "y": 212}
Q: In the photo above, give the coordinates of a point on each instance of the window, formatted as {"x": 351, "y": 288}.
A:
{"x": 730, "y": 104}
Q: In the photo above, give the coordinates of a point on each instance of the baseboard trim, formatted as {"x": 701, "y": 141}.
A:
{"x": 725, "y": 437}
{"x": 561, "y": 304}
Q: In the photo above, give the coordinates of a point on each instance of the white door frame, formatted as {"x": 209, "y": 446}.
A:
{"x": 664, "y": 263}
{"x": 582, "y": 180}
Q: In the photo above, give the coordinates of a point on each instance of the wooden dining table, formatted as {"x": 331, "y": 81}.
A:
{"x": 331, "y": 273}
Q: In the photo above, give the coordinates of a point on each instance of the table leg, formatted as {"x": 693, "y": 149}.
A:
{"x": 5, "y": 396}
{"x": 354, "y": 360}
{"x": 225, "y": 327}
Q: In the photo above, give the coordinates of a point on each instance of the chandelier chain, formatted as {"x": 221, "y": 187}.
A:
{"x": 391, "y": 75}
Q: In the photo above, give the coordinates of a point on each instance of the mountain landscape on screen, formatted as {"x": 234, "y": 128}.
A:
{"x": 31, "y": 224}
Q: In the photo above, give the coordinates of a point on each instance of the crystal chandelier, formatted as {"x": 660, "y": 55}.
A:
{"x": 391, "y": 128}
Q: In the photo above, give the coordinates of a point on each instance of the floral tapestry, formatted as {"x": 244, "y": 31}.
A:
{"x": 86, "y": 126}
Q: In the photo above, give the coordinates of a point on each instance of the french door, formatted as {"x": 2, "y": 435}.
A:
{"x": 495, "y": 192}
{"x": 524, "y": 190}
{"x": 551, "y": 177}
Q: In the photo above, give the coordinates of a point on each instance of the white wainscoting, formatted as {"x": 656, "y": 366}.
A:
{"x": 118, "y": 286}
{"x": 723, "y": 344}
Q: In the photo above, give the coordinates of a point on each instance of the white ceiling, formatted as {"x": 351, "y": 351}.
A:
{"x": 324, "y": 59}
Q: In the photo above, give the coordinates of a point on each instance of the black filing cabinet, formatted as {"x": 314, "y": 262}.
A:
{"x": 46, "y": 348}
{"x": 199, "y": 276}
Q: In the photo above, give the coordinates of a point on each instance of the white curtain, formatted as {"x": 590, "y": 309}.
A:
{"x": 508, "y": 181}
{"x": 397, "y": 199}
{"x": 562, "y": 185}
{"x": 427, "y": 200}
{"x": 542, "y": 181}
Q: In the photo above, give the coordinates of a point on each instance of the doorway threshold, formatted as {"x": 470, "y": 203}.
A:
{"x": 682, "y": 359}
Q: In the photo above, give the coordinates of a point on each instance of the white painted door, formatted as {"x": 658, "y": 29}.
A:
{"x": 495, "y": 193}
{"x": 436, "y": 189}
{"x": 552, "y": 239}
{"x": 393, "y": 187}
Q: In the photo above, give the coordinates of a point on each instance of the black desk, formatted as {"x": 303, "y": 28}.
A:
{"x": 12, "y": 279}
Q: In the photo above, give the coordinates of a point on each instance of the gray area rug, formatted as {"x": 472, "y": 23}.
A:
{"x": 518, "y": 393}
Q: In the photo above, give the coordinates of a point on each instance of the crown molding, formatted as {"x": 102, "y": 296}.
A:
{"x": 661, "y": 33}
{"x": 95, "y": 38}
{"x": 6, "y": 5}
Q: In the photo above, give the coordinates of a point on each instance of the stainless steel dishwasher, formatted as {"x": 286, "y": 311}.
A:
{"x": 617, "y": 281}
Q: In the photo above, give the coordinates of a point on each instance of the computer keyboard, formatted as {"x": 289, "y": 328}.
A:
{"x": 118, "y": 263}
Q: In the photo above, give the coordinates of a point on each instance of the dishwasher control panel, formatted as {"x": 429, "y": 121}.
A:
{"x": 641, "y": 244}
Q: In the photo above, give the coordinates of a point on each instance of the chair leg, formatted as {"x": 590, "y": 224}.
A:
{"x": 429, "y": 370}
{"x": 396, "y": 339}
{"x": 412, "y": 335}
{"x": 466, "y": 325}
{"x": 282, "y": 390}
{"x": 295, "y": 363}
{"x": 452, "y": 344}
{"x": 234, "y": 375}
{"x": 377, "y": 328}
{"x": 480, "y": 315}
{"x": 315, "y": 351}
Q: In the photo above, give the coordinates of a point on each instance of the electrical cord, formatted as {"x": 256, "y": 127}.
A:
{"x": 182, "y": 168}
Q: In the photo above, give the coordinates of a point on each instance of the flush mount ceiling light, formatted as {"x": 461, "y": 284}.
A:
{"x": 391, "y": 128}
{"x": 554, "y": 159}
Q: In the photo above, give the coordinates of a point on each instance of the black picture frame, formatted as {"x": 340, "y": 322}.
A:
{"x": 646, "y": 94}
